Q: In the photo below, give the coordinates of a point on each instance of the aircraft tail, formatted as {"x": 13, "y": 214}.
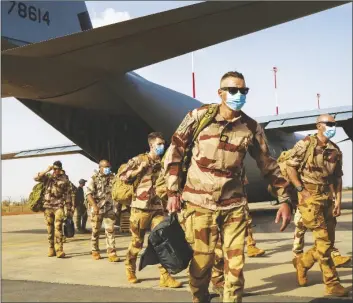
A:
{"x": 35, "y": 21}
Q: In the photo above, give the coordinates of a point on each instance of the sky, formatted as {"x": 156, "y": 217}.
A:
{"x": 313, "y": 55}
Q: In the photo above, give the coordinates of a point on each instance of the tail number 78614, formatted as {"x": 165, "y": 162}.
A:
{"x": 30, "y": 12}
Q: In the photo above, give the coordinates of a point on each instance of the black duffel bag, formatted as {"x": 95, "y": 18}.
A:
{"x": 167, "y": 246}
{"x": 69, "y": 227}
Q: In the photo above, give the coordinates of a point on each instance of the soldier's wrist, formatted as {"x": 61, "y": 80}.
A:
{"x": 289, "y": 203}
{"x": 172, "y": 193}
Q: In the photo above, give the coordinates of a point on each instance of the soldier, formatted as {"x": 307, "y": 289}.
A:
{"x": 214, "y": 193}
{"x": 99, "y": 197}
{"x": 80, "y": 207}
{"x": 316, "y": 201}
{"x": 146, "y": 207}
{"x": 217, "y": 276}
{"x": 57, "y": 194}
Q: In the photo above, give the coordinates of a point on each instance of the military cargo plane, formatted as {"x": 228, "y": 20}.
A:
{"x": 81, "y": 80}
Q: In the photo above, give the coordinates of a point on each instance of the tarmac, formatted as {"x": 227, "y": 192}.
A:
{"x": 28, "y": 275}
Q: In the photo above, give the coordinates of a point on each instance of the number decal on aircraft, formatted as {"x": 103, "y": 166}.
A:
{"x": 30, "y": 12}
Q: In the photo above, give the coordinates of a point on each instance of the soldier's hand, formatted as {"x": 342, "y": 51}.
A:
{"x": 284, "y": 212}
{"x": 50, "y": 168}
{"x": 95, "y": 210}
{"x": 173, "y": 204}
{"x": 337, "y": 209}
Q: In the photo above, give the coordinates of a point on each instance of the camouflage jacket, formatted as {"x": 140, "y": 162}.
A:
{"x": 216, "y": 176}
{"x": 57, "y": 191}
{"x": 326, "y": 164}
{"x": 100, "y": 187}
{"x": 145, "y": 195}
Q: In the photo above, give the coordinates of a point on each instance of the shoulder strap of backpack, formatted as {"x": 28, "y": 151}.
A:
{"x": 205, "y": 120}
{"x": 309, "y": 154}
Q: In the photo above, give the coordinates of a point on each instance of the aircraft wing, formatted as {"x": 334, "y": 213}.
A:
{"x": 46, "y": 151}
{"x": 303, "y": 121}
{"x": 86, "y": 57}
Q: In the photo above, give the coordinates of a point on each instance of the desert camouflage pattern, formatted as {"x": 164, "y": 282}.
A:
{"x": 217, "y": 276}
{"x": 140, "y": 221}
{"x": 145, "y": 196}
{"x": 57, "y": 193}
{"x": 316, "y": 213}
{"x": 100, "y": 187}
{"x": 300, "y": 230}
{"x": 54, "y": 219}
{"x": 203, "y": 229}
{"x": 216, "y": 175}
{"x": 108, "y": 218}
{"x": 326, "y": 165}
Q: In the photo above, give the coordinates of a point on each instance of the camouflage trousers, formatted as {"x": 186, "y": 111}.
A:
{"x": 203, "y": 228}
{"x": 141, "y": 221}
{"x": 81, "y": 217}
{"x": 300, "y": 230}
{"x": 315, "y": 212}
{"x": 54, "y": 220}
{"x": 108, "y": 218}
{"x": 217, "y": 276}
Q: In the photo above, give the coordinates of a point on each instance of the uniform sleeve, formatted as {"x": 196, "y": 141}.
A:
{"x": 68, "y": 196}
{"x": 175, "y": 153}
{"x": 132, "y": 165}
{"x": 297, "y": 153}
{"x": 90, "y": 187}
{"x": 43, "y": 179}
{"x": 338, "y": 173}
{"x": 269, "y": 167}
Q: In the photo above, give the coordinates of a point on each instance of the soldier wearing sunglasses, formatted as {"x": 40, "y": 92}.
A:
{"x": 214, "y": 192}
{"x": 57, "y": 194}
{"x": 319, "y": 187}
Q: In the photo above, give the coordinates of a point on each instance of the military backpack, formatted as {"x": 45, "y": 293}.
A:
{"x": 35, "y": 200}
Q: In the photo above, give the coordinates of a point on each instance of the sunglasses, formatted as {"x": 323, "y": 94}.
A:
{"x": 329, "y": 124}
{"x": 234, "y": 90}
{"x": 56, "y": 168}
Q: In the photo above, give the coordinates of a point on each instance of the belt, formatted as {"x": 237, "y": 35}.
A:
{"x": 317, "y": 187}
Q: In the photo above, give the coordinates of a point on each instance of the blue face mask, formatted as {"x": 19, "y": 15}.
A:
{"x": 330, "y": 132}
{"x": 159, "y": 150}
{"x": 106, "y": 170}
{"x": 235, "y": 102}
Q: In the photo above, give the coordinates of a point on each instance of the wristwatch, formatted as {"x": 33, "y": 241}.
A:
{"x": 299, "y": 188}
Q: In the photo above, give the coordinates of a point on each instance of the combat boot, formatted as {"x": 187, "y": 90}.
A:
{"x": 51, "y": 252}
{"x": 60, "y": 254}
{"x": 253, "y": 251}
{"x": 113, "y": 258}
{"x": 339, "y": 260}
{"x": 301, "y": 272}
{"x": 130, "y": 275}
{"x": 96, "y": 255}
{"x": 166, "y": 280}
{"x": 218, "y": 290}
{"x": 336, "y": 290}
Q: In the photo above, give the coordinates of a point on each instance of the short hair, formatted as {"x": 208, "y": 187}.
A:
{"x": 58, "y": 164}
{"x": 155, "y": 135}
{"x": 233, "y": 74}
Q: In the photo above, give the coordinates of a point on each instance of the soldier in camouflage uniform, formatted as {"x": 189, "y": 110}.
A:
{"x": 99, "y": 196}
{"x": 80, "y": 207}
{"x": 57, "y": 195}
{"x": 146, "y": 207}
{"x": 315, "y": 201}
{"x": 214, "y": 193}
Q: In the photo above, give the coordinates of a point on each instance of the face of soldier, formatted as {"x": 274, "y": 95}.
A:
{"x": 56, "y": 170}
{"x": 327, "y": 126}
{"x": 105, "y": 167}
{"x": 157, "y": 147}
{"x": 233, "y": 93}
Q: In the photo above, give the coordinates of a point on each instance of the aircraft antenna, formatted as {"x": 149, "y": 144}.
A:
{"x": 193, "y": 75}
{"x": 276, "y": 96}
{"x": 318, "y": 100}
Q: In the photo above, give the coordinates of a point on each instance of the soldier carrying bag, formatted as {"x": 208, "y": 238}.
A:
{"x": 122, "y": 192}
{"x": 35, "y": 200}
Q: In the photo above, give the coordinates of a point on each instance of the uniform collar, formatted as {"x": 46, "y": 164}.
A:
{"x": 219, "y": 118}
